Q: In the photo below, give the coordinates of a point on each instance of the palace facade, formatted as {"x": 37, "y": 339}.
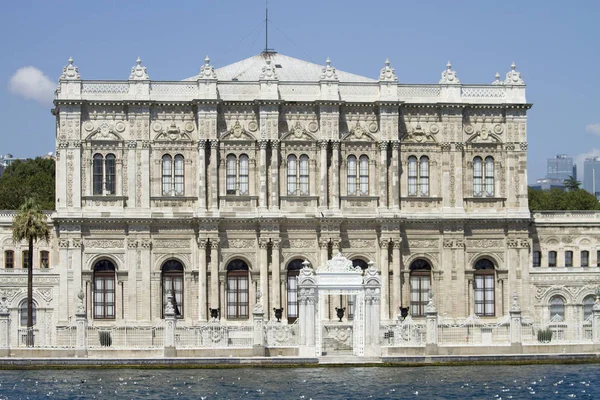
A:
{"x": 218, "y": 187}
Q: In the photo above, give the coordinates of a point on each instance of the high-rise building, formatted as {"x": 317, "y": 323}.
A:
{"x": 561, "y": 167}
{"x": 591, "y": 175}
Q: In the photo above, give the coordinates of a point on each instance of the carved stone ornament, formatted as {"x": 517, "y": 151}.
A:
{"x": 340, "y": 263}
{"x": 237, "y": 129}
{"x": 328, "y": 73}
{"x": 313, "y": 126}
{"x": 469, "y": 129}
{"x": 358, "y": 130}
{"x": 449, "y": 76}
{"x": 515, "y": 304}
{"x": 388, "y": 74}
{"x": 497, "y": 81}
{"x": 138, "y": 72}
{"x": 268, "y": 71}
{"x": 513, "y": 77}
{"x": 298, "y": 130}
{"x": 4, "y": 305}
{"x": 80, "y": 305}
{"x": 70, "y": 72}
{"x": 252, "y": 126}
{"x": 207, "y": 71}
{"x": 418, "y": 134}
{"x": 172, "y": 133}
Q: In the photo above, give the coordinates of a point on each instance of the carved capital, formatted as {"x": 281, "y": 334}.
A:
{"x": 323, "y": 144}
{"x": 214, "y": 144}
{"x": 201, "y": 144}
{"x": 395, "y": 145}
{"x": 382, "y": 145}
{"x": 263, "y": 243}
{"x": 262, "y": 144}
{"x": 335, "y": 144}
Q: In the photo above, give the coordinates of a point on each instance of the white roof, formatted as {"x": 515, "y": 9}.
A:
{"x": 287, "y": 69}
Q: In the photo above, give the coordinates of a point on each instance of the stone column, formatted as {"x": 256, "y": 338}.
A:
{"x": 81, "y": 327}
{"x": 145, "y": 297}
{"x": 275, "y": 273}
{"x": 307, "y": 303}
{"x": 274, "y": 205}
{"x": 323, "y": 174}
{"x": 170, "y": 328}
{"x": 372, "y": 321}
{"x": 596, "y": 320}
{"x": 202, "y": 175}
{"x": 214, "y": 178}
{"x": 385, "y": 274}
{"x": 432, "y": 327}
{"x": 214, "y": 274}
{"x": 4, "y": 328}
{"x": 335, "y": 175}
{"x": 396, "y": 284}
{"x": 258, "y": 339}
{"x": 516, "y": 341}
{"x": 383, "y": 186}
{"x": 202, "y": 293}
{"x": 323, "y": 258}
{"x": 262, "y": 194}
{"x": 264, "y": 271}
{"x": 395, "y": 184}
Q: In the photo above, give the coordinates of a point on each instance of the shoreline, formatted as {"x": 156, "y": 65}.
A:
{"x": 293, "y": 362}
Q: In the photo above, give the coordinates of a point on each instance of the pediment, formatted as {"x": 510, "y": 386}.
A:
{"x": 484, "y": 136}
{"x": 104, "y": 131}
{"x": 171, "y": 134}
{"x": 298, "y": 133}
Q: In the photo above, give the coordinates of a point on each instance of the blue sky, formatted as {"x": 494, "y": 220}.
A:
{"x": 555, "y": 45}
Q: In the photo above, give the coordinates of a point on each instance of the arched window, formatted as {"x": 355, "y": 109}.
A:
{"x": 489, "y": 176}
{"x": 351, "y": 175}
{"x": 172, "y": 282}
{"x": 230, "y": 179}
{"x": 44, "y": 259}
{"x": 552, "y": 259}
{"x": 23, "y": 313}
{"x": 9, "y": 259}
{"x": 104, "y": 290}
{"x": 363, "y": 175}
{"x": 477, "y": 177}
{"x": 412, "y": 176}
{"x": 237, "y": 290}
{"x": 166, "y": 175}
{"x": 484, "y": 290}
{"x": 179, "y": 175}
{"x": 585, "y": 258}
{"x": 303, "y": 175}
{"x": 557, "y": 308}
{"x": 420, "y": 285}
{"x": 568, "y": 258}
{"x": 291, "y": 174}
{"x": 25, "y": 259}
{"x": 244, "y": 174}
{"x": 537, "y": 258}
{"x": 363, "y": 265}
{"x": 98, "y": 173}
{"x": 109, "y": 173}
{"x": 424, "y": 175}
{"x": 588, "y": 306}
{"x": 293, "y": 270}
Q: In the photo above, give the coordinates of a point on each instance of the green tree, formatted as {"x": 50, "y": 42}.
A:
{"x": 30, "y": 224}
{"x": 572, "y": 183}
{"x": 32, "y": 178}
{"x": 558, "y": 199}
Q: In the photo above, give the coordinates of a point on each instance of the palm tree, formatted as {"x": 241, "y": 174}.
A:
{"x": 572, "y": 183}
{"x": 30, "y": 224}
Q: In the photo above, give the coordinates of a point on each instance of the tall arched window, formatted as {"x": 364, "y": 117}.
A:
{"x": 477, "y": 176}
{"x": 104, "y": 290}
{"x": 568, "y": 258}
{"x": 172, "y": 282}
{"x": 363, "y": 175}
{"x": 293, "y": 270}
{"x": 424, "y": 175}
{"x": 244, "y": 174}
{"x": 420, "y": 285}
{"x": 23, "y": 313}
{"x": 230, "y": 179}
{"x": 484, "y": 289}
{"x": 44, "y": 259}
{"x": 179, "y": 175}
{"x": 552, "y": 258}
{"x": 489, "y": 176}
{"x": 412, "y": 176}
{"x": 173, "y": 175}
{"x": 9, "y": 259}
{"x": 291, "y": 174}
{"x": 237, "y": 290}
{"x": 588, "y": 306}
{"x": 351, "y": 168}
{"x": 585, "y": 258}
{"x": 166, "y": 174}
{"x": 557, "y": 308}
{"x": 104, "y": 174}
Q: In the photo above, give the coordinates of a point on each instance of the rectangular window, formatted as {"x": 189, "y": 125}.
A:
{"x": 98, "y": 174}
{"x": 568, "y": 258}
{"x": 363, "y": 175}
{"x": 552, "y": 259}
{"x": 292, "y": 298}
{"x": 104, "y": 296}
{"x": 477, "y": 177}
{"x": 585, "y": 258}
{"x": 412, "y": 176}
{"x": 537, "y": 258}
{"x": 484, "y": 295}
{"x": 173, "y": 284}
{"x": 44, "y": 259}
{"x": 9, "y": 259}
{"x": 424, "y": 176}
{"x": 25, "y": 258}
{"x": 419, "y": 294}
{"x": 237, "y": 296}
{"x": 303, "y": 175}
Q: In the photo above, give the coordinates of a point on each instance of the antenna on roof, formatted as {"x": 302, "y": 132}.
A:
{"x": 267, "y": 49}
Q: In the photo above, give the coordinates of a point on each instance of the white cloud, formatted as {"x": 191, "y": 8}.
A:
{"x": 593, "y": 128}
{"x": 31, "y": 83}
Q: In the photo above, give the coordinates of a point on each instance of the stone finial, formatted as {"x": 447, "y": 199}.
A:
{"x": 207, "y": 71}
{"x": 449, "y": 76}
{"x": 513, "y": 77}
{"x": 388, "y": 74}
{"x": 138, "y": 72}
{"x": 258, "y": 306}
{"x": 169, "y": 309}
{"x": 515, "y": 303}
{"x": 328, "y": 73}
{"x": 497, "y": 81}
{"x": 430, "y": 307}
{"x": 70, "y": 71}
{"x": 268, "y": 71}
{"x": 80, "y": 305}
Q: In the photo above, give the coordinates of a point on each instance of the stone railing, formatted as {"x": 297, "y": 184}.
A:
{"x": 566, "y": 217}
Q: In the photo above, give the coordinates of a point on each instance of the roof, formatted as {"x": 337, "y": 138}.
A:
{"x": 287, "y": 69}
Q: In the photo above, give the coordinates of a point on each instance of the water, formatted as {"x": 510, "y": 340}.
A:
{"x": 472, "y": 382}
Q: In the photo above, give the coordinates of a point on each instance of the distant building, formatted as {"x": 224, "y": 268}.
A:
{"x": 548, "y": 183}
{"x": 591, "y": 175}
{"x": 561, "y": 167}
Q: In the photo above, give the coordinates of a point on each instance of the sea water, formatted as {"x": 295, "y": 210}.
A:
{"x": 456, "y": 382}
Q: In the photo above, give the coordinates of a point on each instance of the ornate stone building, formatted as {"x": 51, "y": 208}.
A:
{"x": 219, "y": 186}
